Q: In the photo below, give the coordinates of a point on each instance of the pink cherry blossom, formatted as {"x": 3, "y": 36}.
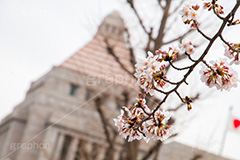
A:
{"x": 189, "y": 14}
{"x": 157, "y": 127}
{"x": 187, "y": 46}
{"x": 149, "y": 72}
{"x": 137, "y": 122}
{"x": 209, "y": 5}
{"x": 219, "y": 75}
{"x": 169, "y": 55}
{"x": 232, "y": 54}
{"x": 129, "y": 121}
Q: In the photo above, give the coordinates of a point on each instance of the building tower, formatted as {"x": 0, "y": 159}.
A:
{"x": 58, "y": 118}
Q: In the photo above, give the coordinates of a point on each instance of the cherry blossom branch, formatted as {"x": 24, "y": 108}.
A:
{"x": 182, "y": 104}
{"x": 214, "y": 10}
{"x": 130, "y": 48}
{"x": 140, "y": 106}
{"x": 177, "y": 6}
{"x": 137, "y": 15}
{"x": 198, "y": 29}
{"x": 234, "y": 50}
{"x": 104, "y": 123}
{"x": 164, "y": 79}
{"x": 159, "y": 90}
{"x": 177, "y": 68}
{"x": 189, "y": 57}
{"x": 140, "y": 121}
{"x": 161, "y": 31}
{"x": 178, "y": 94}
{"x": 204, "y": 62}
{"x": 226, "y": 19}
{"x": 160, "y": 3}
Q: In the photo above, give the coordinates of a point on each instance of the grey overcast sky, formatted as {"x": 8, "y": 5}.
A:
{"x": 36, "y": 35}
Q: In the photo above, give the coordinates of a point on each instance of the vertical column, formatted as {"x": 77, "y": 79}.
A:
{"x": 72, "y": 149}
{"x": 34, "y": 132}
{"x": 12, "y": 140}
{"x": 116, "y": 155}
{"x": 49, "y": 144}
{"x": 57, "y": 153}
{"x": 101, "y": 153}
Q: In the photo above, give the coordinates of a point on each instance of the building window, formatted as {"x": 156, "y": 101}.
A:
{"x": 88, "y": 94}
{"x": 65, "y": 148}
{"x": 78, "y": 155}
{"x": 73, "y": 89}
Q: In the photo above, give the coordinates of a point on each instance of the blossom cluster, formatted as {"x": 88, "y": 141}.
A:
{"x": 218, "y": 8}
{"x": 219, "y": 75}
{"x": 169, "y": 55}
{"x": 150, "y": 72}
{"x": 231, "y": 53}
{"x": 187, "y": 46}
{"x": 189, "y": 14}
{"x": 139, "y": 122}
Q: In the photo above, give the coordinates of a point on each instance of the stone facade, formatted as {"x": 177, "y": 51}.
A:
{"x": 58, "y": 118}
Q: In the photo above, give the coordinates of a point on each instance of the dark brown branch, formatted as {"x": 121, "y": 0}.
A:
{"x": 110, "y": 150}
{"x": 177, "y": 68}
{"x": 140, "y": 106}
{"x": 178, "y": 94}
{"x": 204, "y": 35}
{"x": 137, "y": 15}
{"x": 200, "y": 59}
{"x": 183, "y": 104}
{"x": 159, "y": 40}
{"x": 204, "y": 62}
{"x": 214, "y": 10}
{"x": 152, "y": 150}
{"x": 178, "y": 38}
{"x": 234, "y": 50}
{"x": 150, "y": 39}
{"x": 130, "y": 48}
{"x": 189, "y": 57}
{"x": 176, "y": 8}
{"x": 155, "y": 148}
{"x": 103, "y": 120}
{"x": 159, "y": 90}
{"x": 111, "y": 52}
{"x": 160, "y": 3}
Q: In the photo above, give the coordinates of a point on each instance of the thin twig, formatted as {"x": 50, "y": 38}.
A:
{"x": 177, "y": 68}
{"x": 111, "y": 52}
{"x": 137, "y": 15}
{"x": 214, "y": 10}
{"x": 234, "y": 50}
{"x": 198, "y": 29}
{"x": 200, "y": 59}
{"x": 189, "y": 57}
{"x": 178, "y": 94}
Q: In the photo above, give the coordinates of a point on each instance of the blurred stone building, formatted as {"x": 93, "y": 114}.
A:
{"x": 58, "y": 118}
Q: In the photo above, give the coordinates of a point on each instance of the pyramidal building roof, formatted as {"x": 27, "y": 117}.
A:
{"x": 94, "y": 58}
